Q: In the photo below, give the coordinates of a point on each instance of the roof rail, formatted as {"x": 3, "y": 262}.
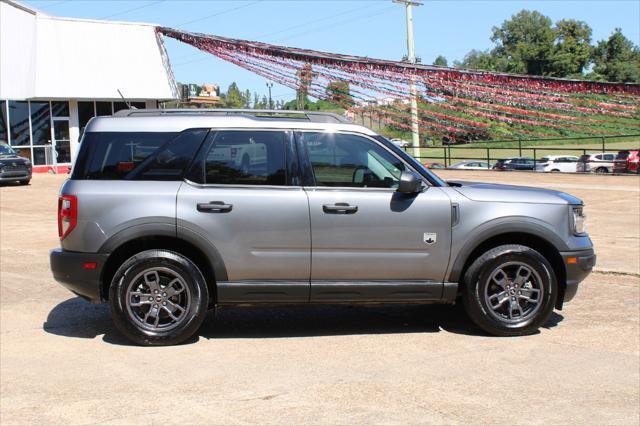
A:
{"x": 257, "y": 114}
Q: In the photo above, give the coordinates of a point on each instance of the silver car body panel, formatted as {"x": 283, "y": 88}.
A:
{"x": 266, "y": 234}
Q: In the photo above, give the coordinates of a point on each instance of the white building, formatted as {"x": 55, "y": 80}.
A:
{"x": 56, "y": 73}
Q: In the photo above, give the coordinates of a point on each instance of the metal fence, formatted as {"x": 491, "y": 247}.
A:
{"x": 493, "y": 150}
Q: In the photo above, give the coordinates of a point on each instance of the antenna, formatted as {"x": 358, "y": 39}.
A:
{"x": 125, "y": 101}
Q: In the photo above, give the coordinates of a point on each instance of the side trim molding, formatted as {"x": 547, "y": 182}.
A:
{"x": 263, "y": 291}
{"x": 375, "y": 291}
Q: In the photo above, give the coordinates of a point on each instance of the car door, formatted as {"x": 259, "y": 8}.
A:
{"x": 370, "y": 242}
{"x": 253, "y": 218}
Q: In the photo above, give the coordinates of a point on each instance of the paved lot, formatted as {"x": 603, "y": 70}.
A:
{"x": 62, "y": 361}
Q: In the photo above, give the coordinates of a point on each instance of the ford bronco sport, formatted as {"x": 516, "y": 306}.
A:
{"x": 161, "y": 220}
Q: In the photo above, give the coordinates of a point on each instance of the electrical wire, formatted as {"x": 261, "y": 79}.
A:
{"x": 132, "y": 9}
{"x": 219, "y": 13}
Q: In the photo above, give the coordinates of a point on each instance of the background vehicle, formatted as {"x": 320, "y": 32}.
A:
{"x": 627, "y": 161}
{"x": 400, "y": 142}
{"x": 598, "y": 163}
{"x": 471, "y": 165}
{"x": 515, "y": 163}
{"x": 13, "y": 168}
{"x": 557, "y": 163}
{"x": 158, "y": 222}
{"x": 434, "y": 165}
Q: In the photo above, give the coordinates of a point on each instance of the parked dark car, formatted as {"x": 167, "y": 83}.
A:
{"x": 515, "y": 163}
{"x": 627, "y": 161}
{"x": 13, "y": 168}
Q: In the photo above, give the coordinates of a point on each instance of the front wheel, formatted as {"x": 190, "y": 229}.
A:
{"x": 602, "y": 170}
{"x": 511, "y": 290}
{"x": 158, "y": 297}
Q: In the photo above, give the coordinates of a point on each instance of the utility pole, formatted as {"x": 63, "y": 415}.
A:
{"x": 411, "y": 58}
{"x": 270, "y": 85}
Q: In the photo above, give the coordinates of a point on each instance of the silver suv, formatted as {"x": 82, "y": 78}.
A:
{"x": 163, "y": 221}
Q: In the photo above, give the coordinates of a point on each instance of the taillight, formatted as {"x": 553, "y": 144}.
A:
{"x": 67, "y": 214}
{"x": 234, "y": 152}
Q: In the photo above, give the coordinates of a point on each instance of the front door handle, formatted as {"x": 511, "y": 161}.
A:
{"x": 339, "y": 208}
{"x": 215, "y": 207}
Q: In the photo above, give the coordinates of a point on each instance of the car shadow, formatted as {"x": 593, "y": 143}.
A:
{"x": 80, "y": 319}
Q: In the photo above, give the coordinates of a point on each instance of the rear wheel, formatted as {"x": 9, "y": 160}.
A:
{"x": 25, "y": 182}
{"x": 158, "y": 297}
{"x": 510, "y": 290}
{"x": 602, "y": 170}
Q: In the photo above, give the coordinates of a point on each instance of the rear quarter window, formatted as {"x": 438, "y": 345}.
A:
{"x": 137, "y": 155}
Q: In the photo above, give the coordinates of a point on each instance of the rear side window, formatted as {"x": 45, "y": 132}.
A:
{"x": 245, "y": 157}
{"x": 137, "y": 155}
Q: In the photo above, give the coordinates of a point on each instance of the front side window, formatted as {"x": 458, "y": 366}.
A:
{"x": 344, "y": 160}
{"x": 242, "y": 157}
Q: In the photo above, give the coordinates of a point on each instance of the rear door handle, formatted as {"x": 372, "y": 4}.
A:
{"x": 339, "y": 208}
{"x": 215, "y": 207}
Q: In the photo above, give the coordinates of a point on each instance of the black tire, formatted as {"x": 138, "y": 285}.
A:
{"x": 555, "y": 171}
{"x": 602, "y": 170}
{"x": 478, "y": 282}
{"x": 194, "y": 297}
{"x": 25, "y": 182}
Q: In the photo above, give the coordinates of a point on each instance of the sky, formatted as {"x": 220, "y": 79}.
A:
{"x": 367, "y": 28}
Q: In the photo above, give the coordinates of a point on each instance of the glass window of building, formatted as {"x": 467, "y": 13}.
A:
{"x": 19, "y": 122}
{"x": 4, "y": 125}
{"x": 40, "y": 123}
{"x": 86, "y": 111}
{"x": 60, "y": 109}
{"x": 103, "y": 108}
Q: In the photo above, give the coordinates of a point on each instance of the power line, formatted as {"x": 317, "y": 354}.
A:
{"x": 219, "y": 13}
{"x": 133, "y": 9}
{"x": 304, "y": 24}
{"x": 344, "y": 22}
{"x": 279, "y": 32}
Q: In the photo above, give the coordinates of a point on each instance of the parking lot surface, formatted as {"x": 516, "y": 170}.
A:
{"x": 62, "y": 361}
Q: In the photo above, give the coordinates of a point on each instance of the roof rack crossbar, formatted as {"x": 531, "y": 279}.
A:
{"x": 313, "y": 116}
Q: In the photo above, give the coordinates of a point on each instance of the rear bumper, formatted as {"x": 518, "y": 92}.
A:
{"x": 68, "y": 269}
{"x": 576, "y": 271}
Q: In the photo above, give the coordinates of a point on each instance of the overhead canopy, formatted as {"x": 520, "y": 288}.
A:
{"x": 457, "y": 103}
{"x": 48, "y": 57}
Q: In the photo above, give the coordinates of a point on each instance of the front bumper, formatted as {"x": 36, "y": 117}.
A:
{"x": 69, "y": 269}
{"x": 14, "y": 175}
{"x": 578, "y": 265}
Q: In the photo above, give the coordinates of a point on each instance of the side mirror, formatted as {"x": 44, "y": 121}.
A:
{"x": 410, "y": 183}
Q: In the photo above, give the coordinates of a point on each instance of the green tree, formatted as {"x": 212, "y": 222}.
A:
{"x": 234, "y": 98}
{"x": 247, "y": 99}
{"x": 440, "y": 61}
{"x": 572, "y": 49}
{"x": 524, "y": 43}
{"x": 339, "y": 93}
{"x": 477, "y": 60}
{"x": 617, "y": 59}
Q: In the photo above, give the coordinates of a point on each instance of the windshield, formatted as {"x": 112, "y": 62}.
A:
{"x": 6, "y": 150}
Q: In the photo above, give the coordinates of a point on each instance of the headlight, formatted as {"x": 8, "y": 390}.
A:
{"x": 578, "y": 220}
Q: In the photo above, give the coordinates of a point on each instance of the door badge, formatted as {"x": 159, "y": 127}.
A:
{"x": 430, "y": 238}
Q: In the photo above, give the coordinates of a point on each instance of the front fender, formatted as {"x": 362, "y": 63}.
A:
{"x": 496, "y": 227}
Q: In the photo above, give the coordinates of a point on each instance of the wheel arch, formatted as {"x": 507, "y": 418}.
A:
{"x": 536, "y": 241}
{"x": 203, "y": 254}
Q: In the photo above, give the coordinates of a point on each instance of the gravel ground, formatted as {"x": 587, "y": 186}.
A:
{"x": 62, "y": 361}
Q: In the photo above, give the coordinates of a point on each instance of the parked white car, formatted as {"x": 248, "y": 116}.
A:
{"x": 557, "y": 163}
{"x": 471, "y": 165}
{"x": 400, "y": 143}
{"x": 598, "y": 163}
